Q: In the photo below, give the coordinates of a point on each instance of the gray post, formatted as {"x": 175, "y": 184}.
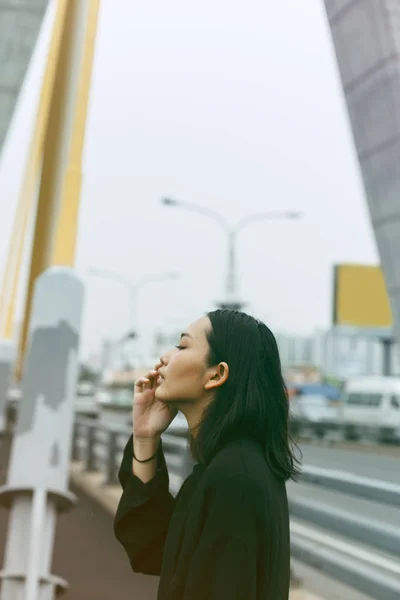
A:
{"x": 231, "y": 271}
{"x": 112, "y": 450}
{"x": 37, "y": 485}
{"x": 76, "y": 454}
{"x": 7, "y": 356}
{"x": 231, "y": 301}
{"x": 90, "y": 449}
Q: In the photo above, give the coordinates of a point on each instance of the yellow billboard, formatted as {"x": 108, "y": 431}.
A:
{"x": 360, "y": 297}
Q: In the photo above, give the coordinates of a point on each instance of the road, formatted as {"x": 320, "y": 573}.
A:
{"x": 371, "y": 461}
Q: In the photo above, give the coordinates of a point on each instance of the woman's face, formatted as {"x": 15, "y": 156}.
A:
{"x": 184, "y": 371}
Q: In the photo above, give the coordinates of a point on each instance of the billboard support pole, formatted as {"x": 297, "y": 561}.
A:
{"x": 387, "y": 347}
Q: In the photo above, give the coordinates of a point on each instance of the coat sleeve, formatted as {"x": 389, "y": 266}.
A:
{"x": 143, "y": 514}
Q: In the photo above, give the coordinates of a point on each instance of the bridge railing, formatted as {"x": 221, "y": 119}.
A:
{"x": 362, "y": 553}
{"x": 100, "y": 447}
{"x": 332, "y": 430}
{"x": 340, "y": 430}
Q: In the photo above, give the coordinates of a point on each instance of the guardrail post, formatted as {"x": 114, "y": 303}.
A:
{"x": 76, "y": 454}
{"x": 90, "y": 449}
{"x": 111, "y": 471}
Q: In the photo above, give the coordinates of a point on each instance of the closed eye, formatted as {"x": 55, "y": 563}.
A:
{"x": 180, "y": 347}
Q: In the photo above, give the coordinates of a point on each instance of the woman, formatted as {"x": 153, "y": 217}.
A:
{"x": 226, "y": 534}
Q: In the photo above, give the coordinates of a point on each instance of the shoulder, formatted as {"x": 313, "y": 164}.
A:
{"x": 237, "y": 490}
{"x": 240, "y": 465}
{"x": 237, "y": 495}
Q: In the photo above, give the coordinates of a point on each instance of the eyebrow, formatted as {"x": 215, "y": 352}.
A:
{"x": 186, "y": 335}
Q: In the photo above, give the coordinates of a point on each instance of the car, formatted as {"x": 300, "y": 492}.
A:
{"x": 371, "y": 408}
{"x": 315, "y": 414}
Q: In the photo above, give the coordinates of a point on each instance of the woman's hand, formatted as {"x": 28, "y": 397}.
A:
{"x": 150, "y": 416}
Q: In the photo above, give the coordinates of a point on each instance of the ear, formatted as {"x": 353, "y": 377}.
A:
{"x": 217, "y": 376}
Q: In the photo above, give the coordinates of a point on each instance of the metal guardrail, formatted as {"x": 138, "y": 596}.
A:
{"x": 353, "y": 565}
{"x": 342, "y": 430}
{"x": 100, "y": 448}
{"x": 333, "y": 430}
{"x": 360, "y": 553}
{"x": 350, "y": 483}
{"x": 377, "y": 535}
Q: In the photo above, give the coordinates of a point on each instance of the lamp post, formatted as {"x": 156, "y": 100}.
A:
{"x": 232, "y": 299}
{"x": 133, "y": 288}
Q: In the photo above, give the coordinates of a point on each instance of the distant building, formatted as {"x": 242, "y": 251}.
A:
{"x": 336, "y": 355}
{"x": 296, "y": 350}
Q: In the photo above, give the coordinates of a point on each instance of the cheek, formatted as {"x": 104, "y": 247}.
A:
{"x": 180, "y": 360}
{"x": 174, "y": 366}
{"x": 185, "y": 365}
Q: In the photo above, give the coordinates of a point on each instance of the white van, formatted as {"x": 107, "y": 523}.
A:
{"x": 371, "y": 407}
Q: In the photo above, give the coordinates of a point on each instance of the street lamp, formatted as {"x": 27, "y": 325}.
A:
{"x": 133, "y": 289}
{"x": 232, "y": 300}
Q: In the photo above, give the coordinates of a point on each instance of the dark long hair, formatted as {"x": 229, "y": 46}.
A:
{"x": 254, "y": 401}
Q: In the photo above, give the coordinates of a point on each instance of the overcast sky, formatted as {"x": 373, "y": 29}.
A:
{"x": 234, "y": 106}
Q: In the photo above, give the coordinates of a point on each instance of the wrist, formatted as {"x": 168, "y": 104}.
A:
{"x": 146, "y": 441}
{"x": 145, "y": 449}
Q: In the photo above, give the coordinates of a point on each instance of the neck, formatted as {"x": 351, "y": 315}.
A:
{"x": 193, "y": 411}
{"x": 193, "y": 416}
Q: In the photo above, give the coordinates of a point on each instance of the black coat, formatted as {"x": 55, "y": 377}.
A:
{"x": 225, "y": 536}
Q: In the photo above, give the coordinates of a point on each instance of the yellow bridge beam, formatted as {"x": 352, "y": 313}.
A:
{"x": 28, "y": 193}
{"x": 56, "y": 224}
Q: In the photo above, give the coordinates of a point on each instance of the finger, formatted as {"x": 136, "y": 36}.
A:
{"x": 141, "y": 383}
{"x": 138, "y": 383}
{"x": 146, "y": 384}
{"x": 152, "y": 376}
{"x": 158, "y": 365}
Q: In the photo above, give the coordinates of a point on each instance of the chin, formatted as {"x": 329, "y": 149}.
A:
{"x": 161, "y": 395}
